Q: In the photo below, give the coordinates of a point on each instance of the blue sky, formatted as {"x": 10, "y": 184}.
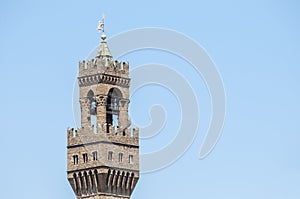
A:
{"x": 254, "y": 44}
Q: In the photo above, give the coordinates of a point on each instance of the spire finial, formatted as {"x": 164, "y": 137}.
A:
{"x": 101, "y": 27}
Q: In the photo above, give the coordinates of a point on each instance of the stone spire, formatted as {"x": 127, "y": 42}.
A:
{"x": 103, "y": 51}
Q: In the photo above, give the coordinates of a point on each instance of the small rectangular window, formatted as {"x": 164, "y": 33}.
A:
{"x": 75, "y": 159}
{"x": 120, "y": 157}
{"x": 85, "y": 157}
{"x": 130, "y": 159}
{"x": 110, "y": 153}
{"x": 95, "y": 156}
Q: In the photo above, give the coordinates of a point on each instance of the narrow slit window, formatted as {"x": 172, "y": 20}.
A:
{"x": 120, "y": 157}
{"x": 85, "y": 157}
{"x": 110, "y": 153}
{"x": 75, "y": 159}
{"x": 130, "y": 159}
{"x": 95, "y": 156}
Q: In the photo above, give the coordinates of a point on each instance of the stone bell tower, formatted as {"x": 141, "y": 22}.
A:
{"x": 103, "y": 154}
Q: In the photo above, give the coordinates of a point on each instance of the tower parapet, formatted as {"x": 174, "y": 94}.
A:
{"x": 105, "y": 66}
{"x": 106, "y": 133}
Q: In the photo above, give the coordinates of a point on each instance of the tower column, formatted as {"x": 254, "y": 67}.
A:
{"x": 123, "y": 114}
{"x": 101, "y": 109}
{"x": 85, "y": 112}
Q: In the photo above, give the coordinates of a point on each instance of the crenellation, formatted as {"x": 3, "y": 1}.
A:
{"x": 118, "y": 65}
{"x": 105, "y": 133}
{"x": 125, "y": 67}
{"x": 81, "y": 65}
{"x": 103, "y": 66}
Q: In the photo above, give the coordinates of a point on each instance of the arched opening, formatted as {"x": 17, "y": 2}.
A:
{"x": 93, "y": 185}
{"x": 126, "y": 183}
{"x": 93, "y": 110}
{"x": 97, "y": 186}
{"x": 130, "y": 183}
{"x": 76, "y": 184}
{"x": 82, "y": 191}
{"x": 86, "y": 181}
{"x": 112, "y": 108}
{"x": 108, "y": 177}
{"x": 122, "y": 182}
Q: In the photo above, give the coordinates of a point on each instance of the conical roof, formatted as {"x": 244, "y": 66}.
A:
{"x": 103, "y": 51}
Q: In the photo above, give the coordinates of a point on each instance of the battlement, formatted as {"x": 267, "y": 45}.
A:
{"x": 103, "y": 133}
{"x": 103, "y": 66}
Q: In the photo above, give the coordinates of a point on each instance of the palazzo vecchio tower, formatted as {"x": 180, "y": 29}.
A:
{"x": 103, "y": 154}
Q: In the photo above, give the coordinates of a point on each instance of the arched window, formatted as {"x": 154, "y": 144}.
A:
{"x": 112, "y": 107}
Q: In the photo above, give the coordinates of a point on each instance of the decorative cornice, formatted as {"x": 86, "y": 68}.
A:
{"x": 103, "y": 167}
{"x": 103, "y": 78}
{"x": 102, "y": 142}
